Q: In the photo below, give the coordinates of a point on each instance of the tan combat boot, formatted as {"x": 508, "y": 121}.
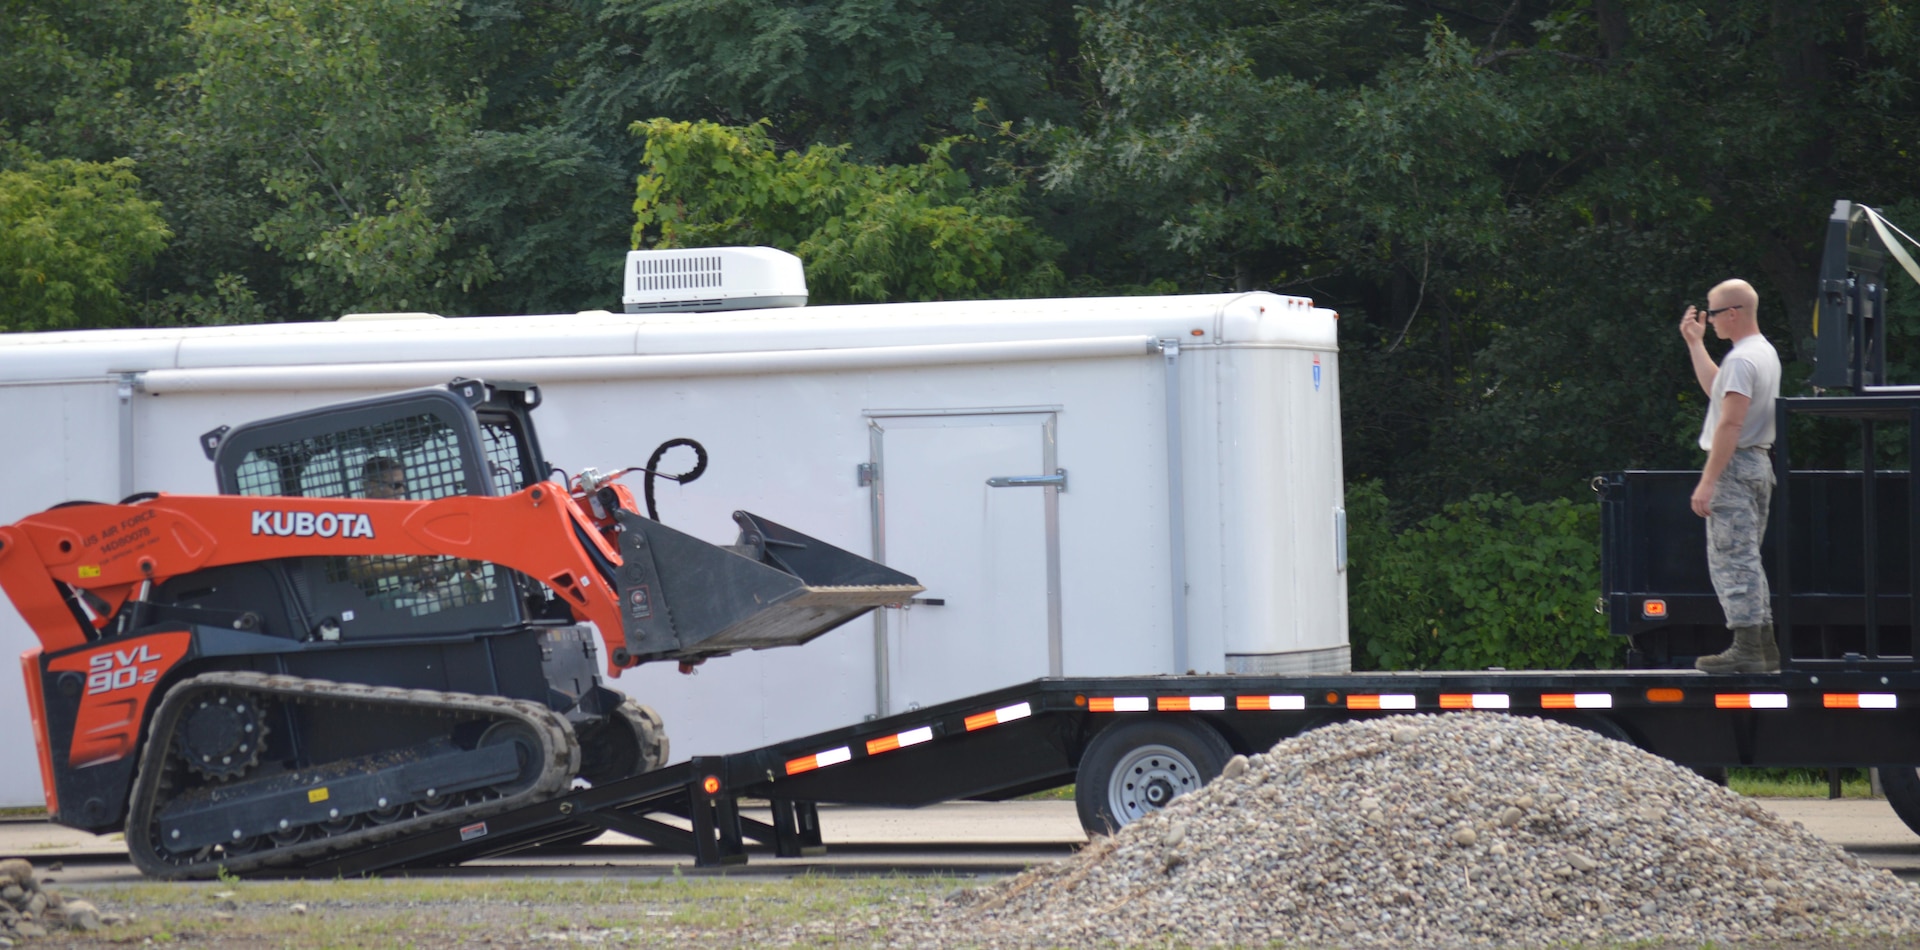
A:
{"x": 1753, "y": 651}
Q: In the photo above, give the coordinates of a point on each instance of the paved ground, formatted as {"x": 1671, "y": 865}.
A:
{"x": 958, "y": 837}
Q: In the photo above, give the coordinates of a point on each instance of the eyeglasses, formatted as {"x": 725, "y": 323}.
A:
{"x": 1710, "y": 314}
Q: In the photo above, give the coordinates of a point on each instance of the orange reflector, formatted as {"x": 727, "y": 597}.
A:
{"x": 712, "y": 784}
{"x": 1750, "y": 700}
{"x": 819, "y": 760}
{"x": 1116, "y": 704}
{"x": 1576, "y": 701}
{"x": 1004, "y": 714}
{"x": 1333, "y": 699}
{"x": 1474, "y": 701}
{"x": 899, "y": 740}
{"x": 1270, "y": 702}
{"x": 1187, "y": 703}
{"x": 1665, "y": 694}
{"x": 1860, "y": 701}
{"x": 1653, "y": 609}
{"x": 1382, "y": 701}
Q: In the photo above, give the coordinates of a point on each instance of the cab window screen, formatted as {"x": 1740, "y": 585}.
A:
{"x": 416, "y": 457}
{"x": 506, "y": 455}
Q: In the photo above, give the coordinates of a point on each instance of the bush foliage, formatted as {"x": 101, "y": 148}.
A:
{"x": 1490, "y": 581}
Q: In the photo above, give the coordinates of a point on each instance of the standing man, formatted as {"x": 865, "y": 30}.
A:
{"x": 1736, "y": 485}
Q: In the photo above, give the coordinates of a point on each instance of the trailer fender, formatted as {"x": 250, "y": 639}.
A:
{"x": 1135, "y": 768}
{"x": 1599, "y": 725}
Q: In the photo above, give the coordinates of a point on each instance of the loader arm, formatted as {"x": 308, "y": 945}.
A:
{"x": 71, "y": 571}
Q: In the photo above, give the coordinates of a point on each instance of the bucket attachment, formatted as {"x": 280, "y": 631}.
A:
{"x": 685, "y": 599}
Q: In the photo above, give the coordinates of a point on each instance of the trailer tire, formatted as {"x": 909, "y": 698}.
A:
{"x": 1133, "y": 769}
{"x": 1902, "y": 785}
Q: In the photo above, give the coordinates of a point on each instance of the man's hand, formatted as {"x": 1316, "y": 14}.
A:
{"x": 1693, "y": 328}
{"x": 1703, "y": 498}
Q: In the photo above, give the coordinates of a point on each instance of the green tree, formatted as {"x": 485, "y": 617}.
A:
{"x": 340, "y": 111}
{"x": 550, "y": 209}
{"x": 71, "y": 234}
{"x": 866, "y": 232}
{"x": 77, "y": 75}
{"x": 1508, "y": 202}
{"x": 882, "y": 76}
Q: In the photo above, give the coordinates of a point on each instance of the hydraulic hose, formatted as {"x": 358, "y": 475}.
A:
{"x": 653, "y": 469}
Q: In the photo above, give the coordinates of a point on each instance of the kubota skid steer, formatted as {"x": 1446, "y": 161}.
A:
{"x": 380, "y": 627}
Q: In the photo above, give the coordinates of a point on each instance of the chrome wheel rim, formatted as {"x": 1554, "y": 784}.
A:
{"x": 1147, "y": 779}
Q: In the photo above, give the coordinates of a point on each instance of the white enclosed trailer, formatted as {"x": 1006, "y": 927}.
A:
{"x": 1087, "y": 487}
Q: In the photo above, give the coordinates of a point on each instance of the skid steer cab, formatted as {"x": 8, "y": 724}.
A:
{"x": 385, "y": 623}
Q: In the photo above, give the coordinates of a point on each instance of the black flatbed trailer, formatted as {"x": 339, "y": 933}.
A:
{"x": 1848, "y": 694}
{"x": 1173, "y": 729}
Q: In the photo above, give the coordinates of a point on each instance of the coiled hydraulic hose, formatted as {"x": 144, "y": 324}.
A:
{"x": 652, "y": 469}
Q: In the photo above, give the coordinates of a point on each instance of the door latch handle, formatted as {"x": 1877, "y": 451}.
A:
{"x": 1057, "y": 480}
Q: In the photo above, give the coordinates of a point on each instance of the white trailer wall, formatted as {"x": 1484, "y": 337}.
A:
{"x": 790, "y": 405}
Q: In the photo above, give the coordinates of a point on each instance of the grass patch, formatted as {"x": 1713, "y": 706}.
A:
{"x": 24, "y": 811}
{"x": 710, "y": 911}
{"x": 1062, "y": 794}
{"x": 1797, "y": 783}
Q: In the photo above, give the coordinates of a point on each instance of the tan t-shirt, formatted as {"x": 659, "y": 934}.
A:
{"x": 1752, "y": 369}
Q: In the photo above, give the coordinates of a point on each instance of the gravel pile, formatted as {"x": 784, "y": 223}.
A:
{"x": 1435, "y": 831}
{"x": 28, "y": 910}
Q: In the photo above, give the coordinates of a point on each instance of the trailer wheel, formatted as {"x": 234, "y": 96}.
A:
{"x": 1902, "y": 785}
{"x": 1136, "y": 768}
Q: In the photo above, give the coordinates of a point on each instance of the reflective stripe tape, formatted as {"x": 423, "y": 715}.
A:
{"x": 998, "y": 716}
{"x": 1576, "y": 701}
{"x": 1196, "y": 703}
{"x": 899, "y": 740}
{"x": 1117, "y": 704}
{"x": 1750, "y": 700}
{"x": 1270, "y": 702}
{"x": 819, "y": 760}
{"x": 1382, "y": 701}
{"x": 1475, "y": 701}
{"x": 1860, "y": 701}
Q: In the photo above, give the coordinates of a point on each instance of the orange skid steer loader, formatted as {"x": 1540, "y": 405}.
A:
{"x": 384, "y": 624}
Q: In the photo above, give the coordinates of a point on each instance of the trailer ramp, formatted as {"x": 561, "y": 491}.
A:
{"x": 694, "y": 807}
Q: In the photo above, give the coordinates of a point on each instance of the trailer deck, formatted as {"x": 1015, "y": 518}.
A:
{"x": 1025, "y": 738}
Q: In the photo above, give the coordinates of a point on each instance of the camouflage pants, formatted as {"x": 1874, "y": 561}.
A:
{"x": 1736, "y": 522}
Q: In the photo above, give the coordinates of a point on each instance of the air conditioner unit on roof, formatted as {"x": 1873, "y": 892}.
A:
{"x": 713, "y": 278}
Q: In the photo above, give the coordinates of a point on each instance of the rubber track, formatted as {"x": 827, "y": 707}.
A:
{"x": 560, "y": 751}
{"x": 650, "y": 735}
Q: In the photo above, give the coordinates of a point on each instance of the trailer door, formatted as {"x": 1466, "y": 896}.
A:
{"x": 989, "y": 556}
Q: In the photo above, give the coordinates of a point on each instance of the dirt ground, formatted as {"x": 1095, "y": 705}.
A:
{"x": 619, "y": 906}
{"x": 698, "y": 912}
